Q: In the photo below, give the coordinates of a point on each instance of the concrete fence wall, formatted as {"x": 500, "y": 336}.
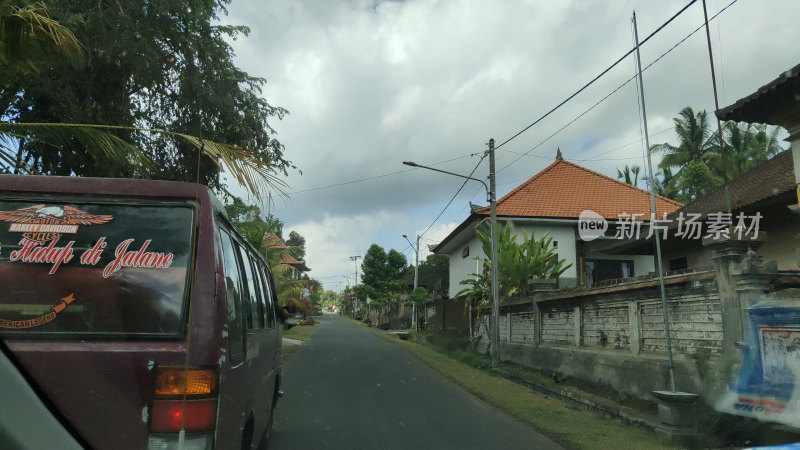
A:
{"x": 627, "y": 317}
{"x": 389, "y": 316}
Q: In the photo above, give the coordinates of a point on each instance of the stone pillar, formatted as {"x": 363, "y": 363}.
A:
{"x": 578, "y": 326}
{"x": 508, "y": 323}
{"x": 540, "y": 289}
{"x": 537, "y": 323}
{"x": 728, "y": 254}
{"x": 635, "y": 327}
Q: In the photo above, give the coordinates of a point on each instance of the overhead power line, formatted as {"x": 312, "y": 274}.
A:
{"x": 454, "y": 196}
{"x": 618, "y": 87}
{"x": 628, "y": 53}
{"x": 344, "y": 183}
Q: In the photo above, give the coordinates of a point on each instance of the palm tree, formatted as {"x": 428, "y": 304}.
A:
{"x": 29, "y": 41}
{"x": 697, "y": 149}
{"x": 697, "y": 141}
{"x": 748, "y": 145}
{"x": 629, "y": 174}
{"x": 665, "y": 183}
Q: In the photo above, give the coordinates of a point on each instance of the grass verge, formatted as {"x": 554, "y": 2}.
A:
{"x": 299, "y": 332}
{"x": 577, "y": 429}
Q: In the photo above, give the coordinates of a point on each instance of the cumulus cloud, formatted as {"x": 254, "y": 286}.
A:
{"x": 370, "y": 84}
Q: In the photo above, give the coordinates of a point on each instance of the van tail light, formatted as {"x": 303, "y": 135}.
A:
{"x": 195, "y": 415}
{"x": 185, "y": 400}
{"x": 174, "y": 380}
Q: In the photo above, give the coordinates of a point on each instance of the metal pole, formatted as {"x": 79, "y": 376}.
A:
{"x": 656, "y": 236}
{"x": 716, "y": 108}
{"x": 416, "y": 265}
{"x": 355, "y": 263}
{"x": 416, "y": 283}
{"x": 495, "y": 293}
{"x": 416, "y": 277}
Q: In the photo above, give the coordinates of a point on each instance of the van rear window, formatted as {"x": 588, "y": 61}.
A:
{"x": 94, "y": 269}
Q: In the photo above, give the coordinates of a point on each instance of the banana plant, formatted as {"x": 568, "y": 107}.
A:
{"x": 517, "y": 263}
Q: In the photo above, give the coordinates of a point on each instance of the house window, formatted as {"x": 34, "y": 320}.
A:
{"x": 465, "y": 252}
{"x": 678, "y": 263}
{"x": 596, "y": 270}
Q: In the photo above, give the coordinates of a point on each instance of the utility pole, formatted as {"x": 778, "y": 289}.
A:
{"x": 656, "y": 236}
{"x": 416, "y": 280}
{"x": 725, "y": 190}
{"x": 416, "y": 264}
{"x": 355, "y": 263}
{"x": 495, "y": 292}
{"x": 492, "y": 197}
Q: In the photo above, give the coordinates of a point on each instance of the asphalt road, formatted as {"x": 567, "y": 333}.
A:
{"x": 349, "y": 389}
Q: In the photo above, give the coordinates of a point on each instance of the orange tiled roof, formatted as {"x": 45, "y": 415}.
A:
{"x": 564, "y": 189}
{"x": 273, "y": 241}
{"x": 291, "y": 260}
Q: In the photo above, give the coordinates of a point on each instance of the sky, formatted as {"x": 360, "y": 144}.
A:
{"x": 370, "y": 84}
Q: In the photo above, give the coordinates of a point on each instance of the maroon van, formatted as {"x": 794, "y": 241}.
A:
{"x": 138, "y": 310}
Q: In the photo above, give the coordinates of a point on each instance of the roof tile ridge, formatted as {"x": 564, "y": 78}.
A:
{"x": 630, "y": 186}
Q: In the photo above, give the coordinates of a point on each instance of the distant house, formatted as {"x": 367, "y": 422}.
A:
{"x": 768, "y": 190}
{"x": 551, "y": 202}
{"x": 276, "y": 243}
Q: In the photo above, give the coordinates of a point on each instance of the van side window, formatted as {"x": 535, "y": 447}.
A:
{"x": 249, "y": 299}
{"x": 233, "y": 296}
{"x": 273, "y": 294}
{"x": 269, "y": 306}
{"x": 257, "y": 292}
{"x": 264, "y": 292}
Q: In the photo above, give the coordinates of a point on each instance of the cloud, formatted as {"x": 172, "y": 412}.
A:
{"x": 333, "y": 240}
{"x": 371, "y": 84}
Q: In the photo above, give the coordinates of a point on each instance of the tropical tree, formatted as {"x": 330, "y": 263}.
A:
{"x": 697, "y": 145}
{"x": 383, "y": 272}
{"x": 517, "y": 263}
{"x": 297, "y": 241}
{"x": 419, "y": 295}
{"x": 250, "y": 223}
{"x": 665, "y": 183}
{"x": 167, "y": 67}
{"x": 629, "y": 174}
{"x": 695, "y": 165}
{"x": 748, "y": 145}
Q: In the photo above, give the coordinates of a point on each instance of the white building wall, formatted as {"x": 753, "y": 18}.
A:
{"x": 461, "y": 267}
{"x": 565, "y": 234}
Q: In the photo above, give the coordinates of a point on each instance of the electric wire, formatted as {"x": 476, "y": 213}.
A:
{"x": 628, "y": 53}
{"x": 454, "y": 195}
{"x": 617, "y": 89}
{"x": 375, "y": 177}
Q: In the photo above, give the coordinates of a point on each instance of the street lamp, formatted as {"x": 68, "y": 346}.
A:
{"x": 416, "y": 278}
{"x": 491, "y": 196}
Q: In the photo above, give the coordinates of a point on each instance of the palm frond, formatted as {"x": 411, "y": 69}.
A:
{"x": 103, "y": 147}
{"x": 255, "y": 175}
{"x": 30, "y": 39}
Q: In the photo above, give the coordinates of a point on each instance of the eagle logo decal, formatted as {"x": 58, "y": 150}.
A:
{"x": 41, "y": 223}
